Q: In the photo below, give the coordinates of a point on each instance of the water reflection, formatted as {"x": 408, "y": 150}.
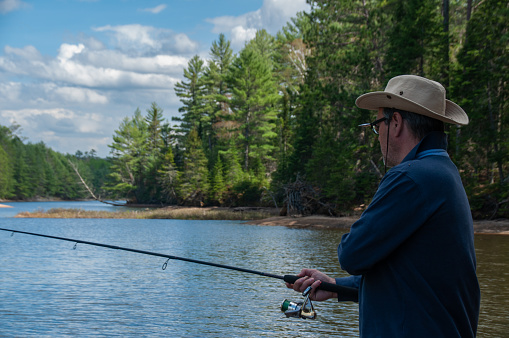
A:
{"x": 49, "y": 289}
{"x": 493, "y": 273}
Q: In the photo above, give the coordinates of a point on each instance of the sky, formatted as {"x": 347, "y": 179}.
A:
{"x": 72, "y": 70}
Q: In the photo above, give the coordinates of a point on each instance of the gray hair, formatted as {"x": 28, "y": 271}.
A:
{"x": 420, "y": 125}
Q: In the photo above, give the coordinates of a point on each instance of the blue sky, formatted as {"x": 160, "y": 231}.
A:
{"x": 71, "y": 70}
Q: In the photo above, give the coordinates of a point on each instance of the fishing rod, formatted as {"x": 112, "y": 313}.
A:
{"x": 291, "y": 309}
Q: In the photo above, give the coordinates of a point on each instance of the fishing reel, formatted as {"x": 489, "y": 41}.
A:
{"x": 302, "y": 310}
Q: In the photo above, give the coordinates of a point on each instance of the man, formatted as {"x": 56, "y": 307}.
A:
{"x": 411, "y": 254}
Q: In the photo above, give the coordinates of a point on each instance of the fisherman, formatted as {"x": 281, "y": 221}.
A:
{"x": 411, "y": 254}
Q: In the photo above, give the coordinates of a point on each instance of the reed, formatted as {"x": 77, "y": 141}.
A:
{"x": 161, "y": 213}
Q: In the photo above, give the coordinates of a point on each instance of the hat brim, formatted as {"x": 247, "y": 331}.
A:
{"x": 372, "y": 101}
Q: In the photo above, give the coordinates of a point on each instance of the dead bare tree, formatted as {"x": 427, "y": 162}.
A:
{"x": 301, "y": 198}
{"x": 75, "y": 168}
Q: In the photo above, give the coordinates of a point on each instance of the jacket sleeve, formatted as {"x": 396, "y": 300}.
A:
{"x": 350, "y": 281}
{"x": 398, "y": 209}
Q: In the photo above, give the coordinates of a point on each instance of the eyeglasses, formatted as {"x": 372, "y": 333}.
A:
{"x": 374, "y": 125}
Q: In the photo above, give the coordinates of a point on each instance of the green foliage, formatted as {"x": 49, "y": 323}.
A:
{"x": 135, "y": 162}
{"x": 345, "y": 46}
{"x": 481, "y": 87}
{"x": 6, "y": 174}
{"x": 253, "y": 95}
{"x": 414, "y": 38}
{"x": 216, "y": 98}
{"x": 248, "y": 192}
{"x": 217, "y": 183}
{"x": 33, "y": 171}
{"x": 167, "y": 178}
{"x": 192, "y": 94}
{"x": 193, "y": 179}
{"x": 284, "y": 108}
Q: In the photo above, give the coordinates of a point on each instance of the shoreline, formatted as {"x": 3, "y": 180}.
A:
{"x": 498, "y": 226}
{"x": 493, "y": 227}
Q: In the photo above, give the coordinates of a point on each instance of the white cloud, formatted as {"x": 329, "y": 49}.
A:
{"x": 239, "y": 35}
{"x": 160, "y": 64}
{"x": 69, "y": 68}
{"x": 146, "y": 40}
{"x": 131, "y": 34}
{"x": 67, "y": 51}
{"x": 80, "y": 95}
{"x": 9, "y": 91}
{"x": 26, "y": 114}
{"x": 27, "y": 52}
{"x": 276, "y": 13}
{"x": 76, "y": 99}
{"x": 7, "y": 6}
{"x": 155, "y": 10}
{"x": 64, "y": 129}
{"x": 272, "y": 16}
{"x": 184, "y": 44}
{"x": 224, "y": 24}
{"x": 71, "y": 118}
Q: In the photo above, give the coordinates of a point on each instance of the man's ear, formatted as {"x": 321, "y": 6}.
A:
{"x": 397, "y": 124}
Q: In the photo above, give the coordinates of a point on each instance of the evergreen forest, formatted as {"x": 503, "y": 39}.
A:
{"x": 276, "y": 123}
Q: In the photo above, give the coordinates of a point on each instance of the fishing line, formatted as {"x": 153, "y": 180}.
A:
{"x": 347, "y": 293}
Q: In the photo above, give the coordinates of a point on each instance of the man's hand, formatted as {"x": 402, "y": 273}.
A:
{"x": 314, "y": 278}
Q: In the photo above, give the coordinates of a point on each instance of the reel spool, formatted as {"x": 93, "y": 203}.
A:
{"x": 302, "y": 310}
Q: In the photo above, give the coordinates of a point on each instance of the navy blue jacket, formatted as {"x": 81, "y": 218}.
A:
{"x": 412, "y": 251}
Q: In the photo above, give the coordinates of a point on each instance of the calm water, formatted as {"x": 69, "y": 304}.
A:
{"x": 47, "y": 289}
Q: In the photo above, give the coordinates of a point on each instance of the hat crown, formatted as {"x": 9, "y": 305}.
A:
{"x": 425, "y": 92}
{"x": 417, "y": 95}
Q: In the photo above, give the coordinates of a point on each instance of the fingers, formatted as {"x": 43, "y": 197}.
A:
{"x": 315, "y": 287}
{"x": 313, "y": 278}
{"x": 303, "y": 283}
{"x": 306, "y": 272}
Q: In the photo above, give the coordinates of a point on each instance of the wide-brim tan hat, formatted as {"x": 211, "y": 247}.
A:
{"x": 417, "y": 95}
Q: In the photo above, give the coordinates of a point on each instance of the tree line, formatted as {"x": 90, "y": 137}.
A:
{"x": 257, "y": 126}
{"x": 34, "y": 171}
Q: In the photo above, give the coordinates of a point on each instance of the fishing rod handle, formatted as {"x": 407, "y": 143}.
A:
{"x": 345, "y": 293}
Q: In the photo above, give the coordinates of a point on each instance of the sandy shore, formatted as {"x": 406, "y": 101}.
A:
{"x": 5, "y": 206}
{"x": 480, "y": 227}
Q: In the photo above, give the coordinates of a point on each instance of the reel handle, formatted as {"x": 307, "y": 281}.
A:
{"x": 345, "y": 293}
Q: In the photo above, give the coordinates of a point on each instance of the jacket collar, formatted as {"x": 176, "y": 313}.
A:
{"x": 434, "y": 140}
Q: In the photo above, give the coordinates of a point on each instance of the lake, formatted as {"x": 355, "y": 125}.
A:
{"x": 50, "y": 289}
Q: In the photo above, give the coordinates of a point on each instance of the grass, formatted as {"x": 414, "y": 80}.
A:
{"x": 161, "y": 213}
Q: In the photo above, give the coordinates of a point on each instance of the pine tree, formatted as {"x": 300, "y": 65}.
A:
{"x": 192, "y": 94}
{"x": 253, "y": 95}
{"x": 481, "y": 88}
{"x": 233, "y": 173}
{"x": 167, "y": 178}
{"x": 216, "y": 100}
{"x": 155, "y": 122}
{"x": 6, "y": 163}
{"x": 5, "y": 174}
{"x": 193, "y": 179}
{"x": 217, "y": 183}
{"x": 290, "y": 71}
{"x": 346, "y": 41}
{"x": 21, "y": 173}
{"x": 416, "y": 39}
{"x": 129, "y": 152}
{"x": 155, "y": 148}
{"x": 265, "y": 45}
